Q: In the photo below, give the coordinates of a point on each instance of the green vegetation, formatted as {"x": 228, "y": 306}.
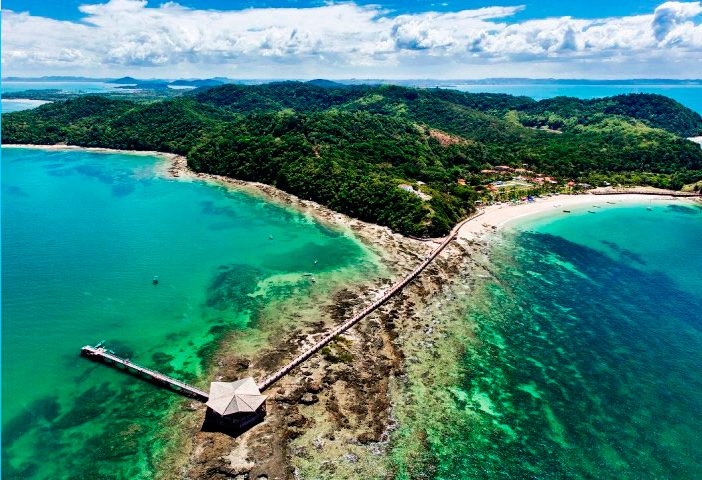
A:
{"x": 349, "y": 147}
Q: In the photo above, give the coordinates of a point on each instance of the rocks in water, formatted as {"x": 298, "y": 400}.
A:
{"x": 296, "y": 420}
{"x": 314, "y": 387}
{"x": 309, "y": 399}
{"x": 366, "y": 437}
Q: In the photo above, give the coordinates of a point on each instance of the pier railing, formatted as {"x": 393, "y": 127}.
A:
{"x": 100, "y": 354}
{"x": 271, "y": 379}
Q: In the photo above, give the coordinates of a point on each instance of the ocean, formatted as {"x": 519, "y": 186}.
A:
{"x": 16, "y": 105}
{"x": 688, "y": 95}
{"x": 69, "y": 87}
{"x": 579, "y": 357}
{"x": 83, "y": 234}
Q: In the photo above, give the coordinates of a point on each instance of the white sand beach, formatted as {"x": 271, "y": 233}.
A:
{"x": 497, "y": 216}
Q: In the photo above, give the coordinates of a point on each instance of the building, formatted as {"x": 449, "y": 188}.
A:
{"x": 237, "y": 405}
{"x": 411, "y": 189}
{"x": 461, "y": 181}
{"x": 503, "y": 168}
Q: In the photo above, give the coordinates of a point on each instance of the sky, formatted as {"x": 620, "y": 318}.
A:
{"x": 391, "y": 39}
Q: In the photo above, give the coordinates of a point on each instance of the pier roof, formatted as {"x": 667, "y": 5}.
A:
{"x": 242, "y": 396}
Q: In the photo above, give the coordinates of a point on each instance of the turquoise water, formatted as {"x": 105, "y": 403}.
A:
{"x": 688, "y": 95}
{"x": 580, "y": 358}
{"x": 12, "y": 105}
{"x": 68, "y": 87}
{"x": 82, "y": 236}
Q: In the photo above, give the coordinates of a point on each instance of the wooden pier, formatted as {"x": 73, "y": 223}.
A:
{"x": 271, "y": 379}
{"x": 99, "y": 354}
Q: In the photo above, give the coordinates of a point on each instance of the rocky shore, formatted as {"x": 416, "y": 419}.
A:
{"x": 332, "y": 417}
{"x": 337, "y": 415}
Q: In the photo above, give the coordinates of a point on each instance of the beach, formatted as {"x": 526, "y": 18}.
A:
{"x": 336, "y": 415}
{"x": 498, "y": 216}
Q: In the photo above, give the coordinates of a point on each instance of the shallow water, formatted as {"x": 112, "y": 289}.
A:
{"x": 583, "y": 359}
{"x": 82, "y": 236}
{"x": 69, "y": 87}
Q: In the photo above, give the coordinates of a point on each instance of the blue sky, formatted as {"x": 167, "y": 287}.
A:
{"x": 353, "y": 39}
{"x": 68, "y": 9}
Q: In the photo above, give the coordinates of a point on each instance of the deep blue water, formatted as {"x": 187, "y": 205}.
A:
{"x": 585, "y": 357}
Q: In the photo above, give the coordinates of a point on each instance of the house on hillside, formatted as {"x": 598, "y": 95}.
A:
{"x": 411, "y": 189}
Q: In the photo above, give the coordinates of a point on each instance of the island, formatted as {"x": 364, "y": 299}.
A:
{"x": 415, "y": 160}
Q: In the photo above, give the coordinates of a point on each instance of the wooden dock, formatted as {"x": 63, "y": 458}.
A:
{"x": 271, "y": 379}
{"x": 99, "y": 354}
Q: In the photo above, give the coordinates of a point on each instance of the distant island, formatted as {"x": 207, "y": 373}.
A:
{"x": 371, "y": 81}
{"x": 413, "y": 159}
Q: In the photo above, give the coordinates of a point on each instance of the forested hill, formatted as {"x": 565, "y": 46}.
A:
{"x": 351, "y": 147}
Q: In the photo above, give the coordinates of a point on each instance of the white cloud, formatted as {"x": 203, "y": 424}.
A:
{"x": 345, "y": 39}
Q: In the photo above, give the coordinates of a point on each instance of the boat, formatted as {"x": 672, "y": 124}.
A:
{"x": 611, "y": 203}
{"x": 270, "y": 237}
{"x": 590, "y": 211}
{"x": 316, "y": 262}
{"x": 155, "y": 280}
{"x": 566, "y": 211}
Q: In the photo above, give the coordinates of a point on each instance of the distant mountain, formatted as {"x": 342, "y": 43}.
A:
{"x": 351, "y": 147}
{"x": 370, "y": 81}
{"x": 320, "y": 82}
{"x": 54, "y": 79}
{"x": 132, "y": 80}
{"x": 208, "y": 82}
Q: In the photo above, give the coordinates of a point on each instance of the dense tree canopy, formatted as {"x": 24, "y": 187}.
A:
{"x": 349, "y": 147}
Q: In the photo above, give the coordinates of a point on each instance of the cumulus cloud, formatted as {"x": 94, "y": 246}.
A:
{"x": 120, "y": 35}
{"x": 671, "y": 15}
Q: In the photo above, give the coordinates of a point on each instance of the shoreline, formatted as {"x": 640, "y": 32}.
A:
{"x": 494, "y": 217}
{"x": 175, "y": 167}
{"x": 319, "y": 415}
{"x": 500, "y": 216}
{"x": 32, "y": 101}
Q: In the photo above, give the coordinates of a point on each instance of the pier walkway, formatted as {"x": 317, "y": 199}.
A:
{"x": 271, "y": 379}
{"x": 99, "y": 354}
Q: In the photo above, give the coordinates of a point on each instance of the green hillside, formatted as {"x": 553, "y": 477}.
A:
{"x": 349, "y": 147}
